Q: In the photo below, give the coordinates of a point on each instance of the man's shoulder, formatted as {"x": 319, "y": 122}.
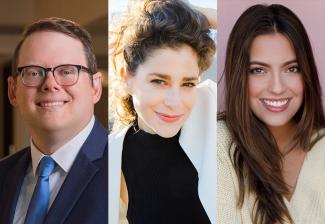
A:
{"x": 98, "y": 134}
{"x": 8, "y": 163}
{"x": 95, "y": 146}
{"x": 11, "y": 160}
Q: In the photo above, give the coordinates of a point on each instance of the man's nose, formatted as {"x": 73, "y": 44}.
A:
{"x": 49, "y": 83}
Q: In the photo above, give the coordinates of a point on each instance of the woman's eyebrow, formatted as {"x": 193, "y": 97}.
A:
{"x": 290, "y": 62}
{"x": 163, "y": 76}
{"x": 190, "y": 78}
{"x": 259, "y": 63}
{"x": 267, "y": 65}
{"x": 168, "y": 77}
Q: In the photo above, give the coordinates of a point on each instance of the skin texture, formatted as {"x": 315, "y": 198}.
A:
{"x": 163, "y": 89}
{"x": 274, "y": 78}
{"x": 54, "y": 113}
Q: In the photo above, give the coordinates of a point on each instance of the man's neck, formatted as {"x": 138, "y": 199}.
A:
{"x": 49, "y": 142}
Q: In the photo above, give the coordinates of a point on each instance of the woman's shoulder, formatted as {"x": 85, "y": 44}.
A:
{"x": 118, "y": 135}
{"x": 222, "y": 127}
{"x": 318, "y": 136}
{"x": 224, "y": 139}
{"x": 318, "y": 142}
{"x": 208, "y": 87}
{"x": 227, "y": 188}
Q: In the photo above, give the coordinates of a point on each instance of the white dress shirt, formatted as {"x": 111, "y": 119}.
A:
{"x": 64, "y": 158}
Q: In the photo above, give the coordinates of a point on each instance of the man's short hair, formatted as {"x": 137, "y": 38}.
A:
{"x": 64, "y": 26}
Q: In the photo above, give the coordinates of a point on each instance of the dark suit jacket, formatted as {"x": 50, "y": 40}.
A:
{"x": 83, "y": 197}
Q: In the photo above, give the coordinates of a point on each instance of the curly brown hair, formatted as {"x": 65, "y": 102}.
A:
{"x": 155, "y": 24}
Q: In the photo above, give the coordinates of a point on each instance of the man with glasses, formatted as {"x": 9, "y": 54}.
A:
{"x": 62, "y": 176}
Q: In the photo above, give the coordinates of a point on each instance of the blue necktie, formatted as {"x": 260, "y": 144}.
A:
{"x": 39, "y": 203}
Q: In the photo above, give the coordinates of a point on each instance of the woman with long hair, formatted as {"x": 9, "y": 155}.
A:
{"x": 161, "y": 161}
{"x": 270, "y": 143}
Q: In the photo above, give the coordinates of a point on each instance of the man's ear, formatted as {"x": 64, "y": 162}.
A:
{"x": 127, "y": 79}
{"x": 12, "y": 84}
{"x": 97, "y": 86}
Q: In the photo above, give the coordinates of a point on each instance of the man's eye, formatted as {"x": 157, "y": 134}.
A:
{"x": 66, "y": 72}
{"x": 33, "y": 73}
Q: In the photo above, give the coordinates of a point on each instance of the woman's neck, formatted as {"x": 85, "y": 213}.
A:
{"x": 284, "y": 136}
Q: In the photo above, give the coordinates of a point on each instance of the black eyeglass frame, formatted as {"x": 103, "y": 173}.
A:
{"x": 46, "y": 70}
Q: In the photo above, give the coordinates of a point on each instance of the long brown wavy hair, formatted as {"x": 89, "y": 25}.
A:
{"x": 257, "y": 158}
{"x": 154, "y": 24}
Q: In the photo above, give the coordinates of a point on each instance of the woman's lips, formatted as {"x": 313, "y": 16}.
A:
{"x": 169, "y": 118}
{"x": 276, "y": 105}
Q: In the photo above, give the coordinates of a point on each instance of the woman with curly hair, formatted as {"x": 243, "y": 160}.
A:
{"x": 162, "y": 162}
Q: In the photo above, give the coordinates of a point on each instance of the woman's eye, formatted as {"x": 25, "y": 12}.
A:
{"x": 158, "y": 81}
{"x": 189, "y": 84}
{"x": 294, "y": 69}
{"x": 257, "y": 70}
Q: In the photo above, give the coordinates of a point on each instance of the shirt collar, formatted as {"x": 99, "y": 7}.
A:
{"x": 66, "y": 154}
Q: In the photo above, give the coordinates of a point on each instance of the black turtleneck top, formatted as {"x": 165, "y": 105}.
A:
{"x": 161, "y": 180}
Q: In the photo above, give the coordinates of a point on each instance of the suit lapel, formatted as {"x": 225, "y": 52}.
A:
{"x": 12, "y": 188}
{"x": 82, "y": 172}
{"x": 75, "y": 183}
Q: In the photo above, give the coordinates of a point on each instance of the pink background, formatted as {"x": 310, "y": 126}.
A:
{"x": 311, "y": 13}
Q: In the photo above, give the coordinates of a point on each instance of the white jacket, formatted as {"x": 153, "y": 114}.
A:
{"x": 198, "y": 140}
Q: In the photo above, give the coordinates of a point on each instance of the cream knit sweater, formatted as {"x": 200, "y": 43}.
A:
{"x": 307, "y": 205}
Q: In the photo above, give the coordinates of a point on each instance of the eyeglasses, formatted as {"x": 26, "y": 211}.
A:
{"x": 64, "y": 75}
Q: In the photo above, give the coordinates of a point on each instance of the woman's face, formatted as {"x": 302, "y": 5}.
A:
{"x": 163, "y": 89}
{"x": 275, "y": 83}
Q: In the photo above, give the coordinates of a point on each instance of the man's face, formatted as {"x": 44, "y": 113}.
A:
{"x": 52, "y": 108}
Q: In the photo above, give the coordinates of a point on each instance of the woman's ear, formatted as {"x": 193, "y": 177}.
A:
{"x": 127, "y": 79}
